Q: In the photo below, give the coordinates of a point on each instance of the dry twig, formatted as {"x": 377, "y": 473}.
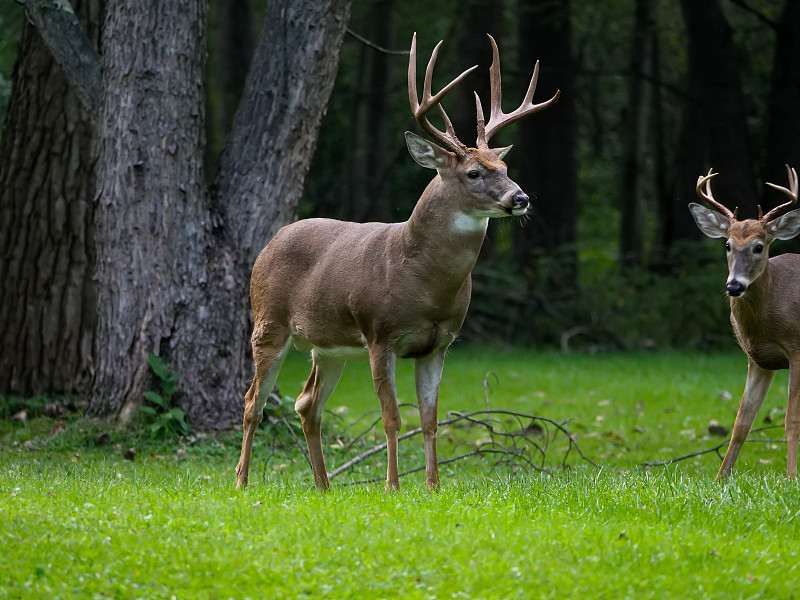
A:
{"x": 669, "y": 461}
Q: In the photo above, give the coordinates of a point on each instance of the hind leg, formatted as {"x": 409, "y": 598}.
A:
{"x": 325, "y": 374}
{"x": 428, "y": 372}
{"x": 383, "y": 361}
{"x": 268, "y": 354}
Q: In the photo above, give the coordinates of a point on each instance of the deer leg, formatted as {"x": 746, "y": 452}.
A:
{"x": 325, "y": 374}
{"x": 792, "y": 420}
{"x": 755, "y": 390}
{"x": 382, "y": 361}
{"x": 268, "y": 354}
{"x": 428, "y": 374}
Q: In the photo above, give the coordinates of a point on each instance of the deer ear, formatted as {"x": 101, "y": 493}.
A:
{"x": 427, "y": 154}
{"x": 710, "y": 222}
{"x": 501, "y": 152}
{"x": 785, "y": 227}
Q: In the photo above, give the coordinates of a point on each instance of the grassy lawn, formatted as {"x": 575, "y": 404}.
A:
{"x": 79, "y": 521}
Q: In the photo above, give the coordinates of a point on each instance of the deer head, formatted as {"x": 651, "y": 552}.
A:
{"x": 478, "y": 175}
{"x": 747, "y": 242}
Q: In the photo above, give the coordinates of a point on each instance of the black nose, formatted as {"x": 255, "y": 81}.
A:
{"x": 520, "y": 201}
{"x": 735, "y": 288}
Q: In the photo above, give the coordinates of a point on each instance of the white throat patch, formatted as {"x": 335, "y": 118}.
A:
{"x": 464, "y": 223}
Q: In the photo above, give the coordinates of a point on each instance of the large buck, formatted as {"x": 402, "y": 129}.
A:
{"x": 346, "y": 291}
{"x": 765, "y": 306}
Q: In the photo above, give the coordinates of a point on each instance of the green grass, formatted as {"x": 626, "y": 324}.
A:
{"x": 78, "y": 521}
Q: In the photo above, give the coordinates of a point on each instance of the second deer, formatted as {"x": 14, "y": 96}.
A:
{"x": 765, "y": 306}
{"x": 384, "y": 290}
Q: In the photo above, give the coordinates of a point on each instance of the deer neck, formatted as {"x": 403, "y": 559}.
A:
{"x": 442, "y": 234}
{"x": 748, "y": 310}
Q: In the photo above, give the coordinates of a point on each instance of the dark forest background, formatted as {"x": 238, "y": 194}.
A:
{"x": 654, "y": 93}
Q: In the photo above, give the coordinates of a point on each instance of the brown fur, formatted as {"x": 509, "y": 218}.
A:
{"x": 393, "y": 290}
{"x": 765, "y": 318}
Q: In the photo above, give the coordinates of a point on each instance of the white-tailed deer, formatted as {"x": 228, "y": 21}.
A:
{"x": 384, "y": 290}
{"x": 765, "y": 306}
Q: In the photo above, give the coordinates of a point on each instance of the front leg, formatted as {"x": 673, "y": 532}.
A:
{"x": 755, "y": 390}
{"x": 428, "y": 374}
{"x": 382, "y": 360}
{"x": 792, "y": 420}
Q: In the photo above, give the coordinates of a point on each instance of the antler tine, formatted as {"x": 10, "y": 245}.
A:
{"x": 481, "y": 122}
{"x": 791, "y": 192}
{"x": 497, "y": 118}
{"x": 420, "y": 108}
{"x": 709, "y": 197}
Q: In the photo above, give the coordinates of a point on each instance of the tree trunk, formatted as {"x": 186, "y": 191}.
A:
{"x": 543, "y": 158}
{"x": 151, "y": 211}
{"x": 46, "y": 177}
{"x": 230, "y": 48}
{"x": 267, "y": 156}
{"x": 714, "y": 131}
{"x": 784, "y": 108}
{"x": 368, "y": 200}
{"x": 472, "y": 47}
{"x": 633, "y": 176}
{"x": 173, "y": 263}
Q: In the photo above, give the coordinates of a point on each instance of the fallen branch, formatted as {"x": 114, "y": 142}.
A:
{"x": 517, "y": 448}
{"x": 716, "y": 449}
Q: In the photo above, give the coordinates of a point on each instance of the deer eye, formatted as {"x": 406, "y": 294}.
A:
{"x": 759, "y": 248}
{"x": 473, "y": 174}
{"x": 727, "y": 246}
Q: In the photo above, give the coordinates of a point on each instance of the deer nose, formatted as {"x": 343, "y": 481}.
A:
{"x": 519, "y": 201}
{"x": 735, "y": 288}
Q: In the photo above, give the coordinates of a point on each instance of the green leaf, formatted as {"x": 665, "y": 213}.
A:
{"x": 158, "y": 365}
{"x": 156, "y": 399}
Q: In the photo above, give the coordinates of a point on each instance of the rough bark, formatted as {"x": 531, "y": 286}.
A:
{"x": 267, "y": 156}
{"x": 543, "y": 157}
{"x": 173, "y": 263}
{"x": 633, "y": 176}
{"x": 784, "y": 108}
{"x": 368, "y": 199}
{"x": 714, "y": 131}
{"x": 150, "y": 207}
{"x": 46, "y": 177}
{"x": 230, "y": 48}
{"x": 62, "y": 33}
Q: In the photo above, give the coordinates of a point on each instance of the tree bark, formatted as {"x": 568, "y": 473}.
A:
{"x": 544, "y": 153}
{"x": 784, "y": 109}
{"x": 714, "y": 131}
{"x": 62, "y": 33}
{"x": 173, "y": 262}
{"x": 47, "y": 158}
{"x": 633, "y": 176}
{"x": 151, "y": 206}
{"x": 367, "y": 200}
{"x": 267, "y": 156}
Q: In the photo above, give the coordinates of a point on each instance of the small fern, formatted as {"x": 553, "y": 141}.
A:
{"x": 165, "y": 420}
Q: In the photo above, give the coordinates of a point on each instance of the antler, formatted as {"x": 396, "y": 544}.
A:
{"x": 421, "y": 108}
{"x": 497, "y": 118}
{"x": 792, "y": 193}
{"x": 709, "y": 197}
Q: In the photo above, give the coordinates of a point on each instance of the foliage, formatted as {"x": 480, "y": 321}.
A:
{"x": 164, "y": 419}
{"x": 610, "y": 309}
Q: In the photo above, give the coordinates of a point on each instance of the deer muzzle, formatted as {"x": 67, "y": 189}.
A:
{"x": 735, "y": 288}
{"x": 519, "y": 204}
